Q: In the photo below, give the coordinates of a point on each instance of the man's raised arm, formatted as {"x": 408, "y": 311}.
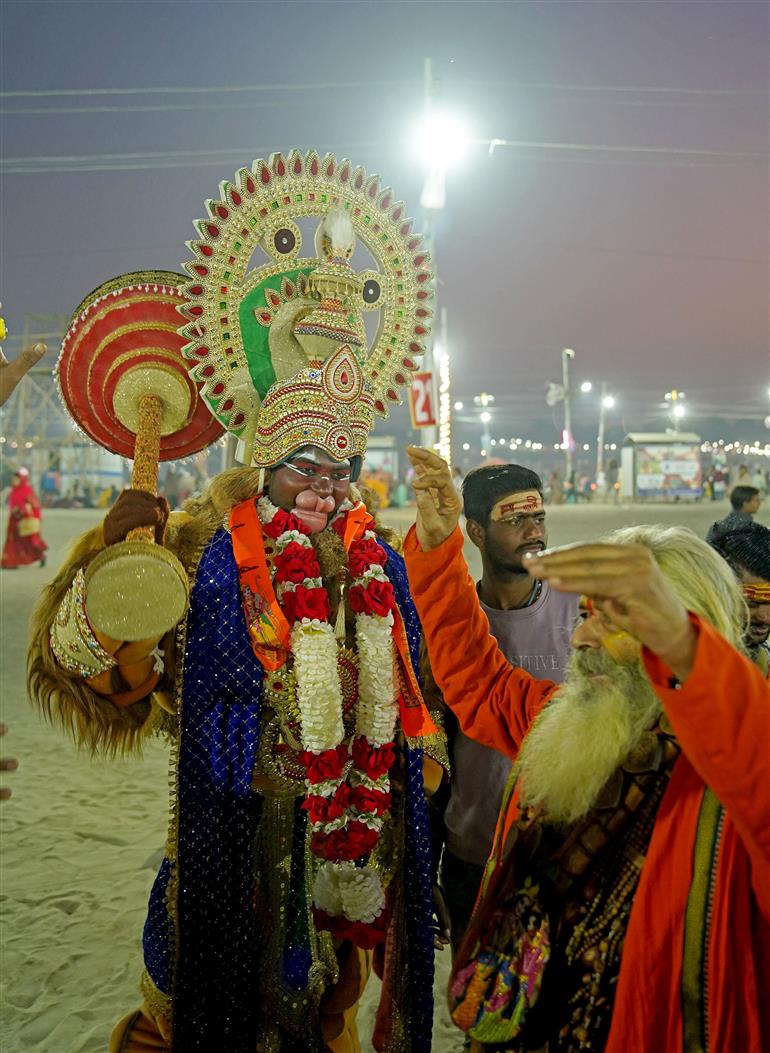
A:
{"x": 494, "y": 702}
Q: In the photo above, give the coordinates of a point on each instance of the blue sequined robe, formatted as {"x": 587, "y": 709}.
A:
{"x": 205, "y": 940}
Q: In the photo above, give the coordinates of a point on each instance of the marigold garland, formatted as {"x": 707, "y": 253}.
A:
{"x": 348, "y": 786}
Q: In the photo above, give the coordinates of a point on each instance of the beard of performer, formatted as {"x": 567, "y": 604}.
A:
{"x": 583, "y": 736}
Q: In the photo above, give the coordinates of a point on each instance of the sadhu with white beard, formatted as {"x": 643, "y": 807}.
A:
{"x": 626, "y": 904}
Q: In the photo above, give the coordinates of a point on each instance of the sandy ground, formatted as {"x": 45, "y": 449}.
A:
{"x": 80, "y": 835}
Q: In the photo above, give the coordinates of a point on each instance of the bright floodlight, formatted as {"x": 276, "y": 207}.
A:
{"x": 441, "y": 140}
{"x": 586, "y": 386}
{"x": 486, "y": 417}
{"x": 458, "y": 406}
{"x": 608, "y": 401}
{"x": 679, "y": 410}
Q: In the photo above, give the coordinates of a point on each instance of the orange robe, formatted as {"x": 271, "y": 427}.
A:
{"x": 695, "y": 971}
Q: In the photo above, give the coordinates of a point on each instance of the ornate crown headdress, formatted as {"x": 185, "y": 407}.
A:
{"x": 279, "y": 344}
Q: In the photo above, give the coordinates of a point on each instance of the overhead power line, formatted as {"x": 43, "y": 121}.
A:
{"x": 678, "y": 151}
{"x": 223, "y": 89}
{"x": 173, "y": 107}
{"x": 196, "y": 158}
{"x": 639, "y": 89}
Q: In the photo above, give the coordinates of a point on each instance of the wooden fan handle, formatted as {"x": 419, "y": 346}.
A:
{"x": 144, "y": 475}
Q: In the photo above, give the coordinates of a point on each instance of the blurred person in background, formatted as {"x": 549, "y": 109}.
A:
{"x": 745, "y": 501}
{"x": 613, "y": 481}
{"x": 719, "y": 481}
{"x": 555, "y": 487}
{"x": 743, "y": 477}
{"x": 748, "y": 553}
{"x": 50, "y": 484}
{"x": 23, "y": 542}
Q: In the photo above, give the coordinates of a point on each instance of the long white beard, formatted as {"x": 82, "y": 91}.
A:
{"x": 583, "y": 736}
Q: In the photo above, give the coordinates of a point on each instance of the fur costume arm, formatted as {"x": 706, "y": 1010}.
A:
{"x": 110, "y": 712}
{"x": 68, "y": 700}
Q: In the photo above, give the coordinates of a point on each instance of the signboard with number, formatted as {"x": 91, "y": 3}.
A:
{"x": 421, "y": 401}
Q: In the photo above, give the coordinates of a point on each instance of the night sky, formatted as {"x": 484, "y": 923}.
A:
{"x": 650, "y": 261}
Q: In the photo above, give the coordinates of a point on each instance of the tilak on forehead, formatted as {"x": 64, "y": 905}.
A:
{"x": 619, "y": 644}
{"x": 759, "y": 592}
{"x": 522, "y": 501}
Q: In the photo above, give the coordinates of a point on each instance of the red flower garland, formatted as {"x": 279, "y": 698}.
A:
{"x": 366, "y": 935}
{"x": 348, "y": 812}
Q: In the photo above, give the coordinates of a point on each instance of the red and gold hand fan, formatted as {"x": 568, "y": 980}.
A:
{"x": 125, "y": 383}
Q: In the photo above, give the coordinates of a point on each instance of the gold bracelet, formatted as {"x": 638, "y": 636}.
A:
{"x": 72, "y": 639}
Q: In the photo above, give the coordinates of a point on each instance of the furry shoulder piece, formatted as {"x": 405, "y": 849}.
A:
{"x": 66, "y": 700}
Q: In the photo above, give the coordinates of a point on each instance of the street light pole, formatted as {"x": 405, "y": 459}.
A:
{"x": 675, "y": 399}
{"x": 441, "y": 142}
{"x": 600, "y": 438}
{"x": 484, "y": 400}
{"x": 430, "y": 202}
{"x": 566, "y": 355}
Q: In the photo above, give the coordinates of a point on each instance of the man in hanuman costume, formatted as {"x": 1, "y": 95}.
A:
{"x": 298, "y": 846}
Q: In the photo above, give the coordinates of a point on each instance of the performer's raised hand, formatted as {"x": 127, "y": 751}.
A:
{"x": 12, "y": 372}
{"x": 438, "y": 503}
{"x": 135, "y": 508}
{"x": 627, "y": 587}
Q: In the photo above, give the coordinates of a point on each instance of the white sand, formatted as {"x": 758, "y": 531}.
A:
{"x": 80, "y": 839}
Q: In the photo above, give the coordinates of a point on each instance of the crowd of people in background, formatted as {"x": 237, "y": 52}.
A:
{"x": 718, "y": 482}
{"x": 179, "y": 482}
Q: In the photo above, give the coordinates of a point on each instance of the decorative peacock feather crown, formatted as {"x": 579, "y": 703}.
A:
{"x": 280, "y": 341}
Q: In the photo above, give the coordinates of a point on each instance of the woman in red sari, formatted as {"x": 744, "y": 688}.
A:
{"x": 23, "y": 545}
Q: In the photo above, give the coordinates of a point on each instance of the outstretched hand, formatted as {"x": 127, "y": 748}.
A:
{"x": 625, "y": 584}
{"x": 12, "y": 372}
{"x": 438, "y": 503}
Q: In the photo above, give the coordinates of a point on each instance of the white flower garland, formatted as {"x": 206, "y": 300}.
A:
{"x": 319, "y": 693}
{"x": 377, "y": 699}
{"x": 341, "y": 889}
{"x": 344, "y": 888}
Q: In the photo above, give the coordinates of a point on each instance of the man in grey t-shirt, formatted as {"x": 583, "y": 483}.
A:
{"x": 503, "y": 505}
